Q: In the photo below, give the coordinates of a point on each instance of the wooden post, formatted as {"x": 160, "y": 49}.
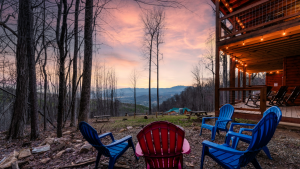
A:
{"x": 284, "y": 72}
{"x": 232, "y": 79}
{"x": 217, "y": 60}
{"x": 239, "y": 83}
{"x": 249, "y": 81}
{"x": 244, "y": 83}
{"x": 263, "y": 99}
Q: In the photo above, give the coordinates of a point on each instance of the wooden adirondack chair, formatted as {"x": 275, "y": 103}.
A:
{"x": 114, "y": 150}
{"x": 230, "y": 158}
{"x": 256, "y": 97}
{"x": 279, "y": 96}
{"x": 225, "y": 115}
{"x": 163, "y": 145}
{"x": 292, "y": 97}
{"x": 247, "y": 138}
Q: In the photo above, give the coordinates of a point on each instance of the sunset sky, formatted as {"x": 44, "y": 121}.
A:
{"x": 184, "y": 43}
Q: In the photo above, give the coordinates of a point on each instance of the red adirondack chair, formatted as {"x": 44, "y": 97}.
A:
{"x": 163, "y": 145}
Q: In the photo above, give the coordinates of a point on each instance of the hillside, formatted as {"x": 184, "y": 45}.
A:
{"x": 126, "y": 94}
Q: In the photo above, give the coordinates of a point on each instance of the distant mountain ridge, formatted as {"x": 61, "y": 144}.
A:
{"x": 126, "y": 94}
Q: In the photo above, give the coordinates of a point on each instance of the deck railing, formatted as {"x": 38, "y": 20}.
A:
{"x": 257, "y": 16}
{"x": 239, "y": 96}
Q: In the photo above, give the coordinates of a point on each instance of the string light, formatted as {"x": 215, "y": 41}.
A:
{"x": 284, "y": 32}
{"x": 277, "y": 71}
{"x": 226, "y": 47}
{"x": 262, "y": 38}
{"x": 245, "y": 65}
{"x": 243, "y": 43}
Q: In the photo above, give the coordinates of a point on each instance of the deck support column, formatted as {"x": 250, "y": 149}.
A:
{"x": 217, "y": 60}
{"x": 239, "y": 83}
{"x": 232, "y": 79}
{"x": 244, "y": 84}
{"x": 249, "y": 82}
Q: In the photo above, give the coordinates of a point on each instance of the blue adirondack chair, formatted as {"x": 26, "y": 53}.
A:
{"x": 225, "y": 115}
{"x": 229, "y": 158}
{"x": 114, "y": 150}
{"x": 247, "y": 139}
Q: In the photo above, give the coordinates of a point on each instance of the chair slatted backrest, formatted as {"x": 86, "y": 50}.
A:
{"x": 294, "y": 94}
{"x": 226, "y": 113}
{"x": 281, "y": 92}
{"x": 161, "y": 143}
{"x": 275, "y": 110}
{"x": 269, "y": 90}
{"x": 261, "y": 135}
{"x": 91, "y": 135}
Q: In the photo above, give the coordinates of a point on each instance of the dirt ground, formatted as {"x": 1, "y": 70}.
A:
{"x": 284, "y": 148}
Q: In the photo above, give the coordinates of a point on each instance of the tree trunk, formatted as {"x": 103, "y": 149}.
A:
{"x": 61, "y": 41}
{"x": 18, "y": 119}
{"x": 73, "y": 108}
{"x": 32, "y": 72}
{"x": 87, "y": 67}
{"x": 150, "y": 60}
{"x": 157, "y": 53}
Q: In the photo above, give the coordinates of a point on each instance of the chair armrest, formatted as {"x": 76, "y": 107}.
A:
{"x": 224, "y": 120}
{"x": 122, "y": 140}
{"x": 222, "y": 147}
{"x": 240, "y": 124}
{"x": 106, "y": 134}
{"x": 204, "y": 118}
{"x": 231, "y": 133}
{"x": 186, "y": 149}
{"x": 138, "y": 150}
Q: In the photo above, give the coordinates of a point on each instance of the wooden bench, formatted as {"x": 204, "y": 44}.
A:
{"x": 102, "y": 117}
{"x": 199, "y": 114}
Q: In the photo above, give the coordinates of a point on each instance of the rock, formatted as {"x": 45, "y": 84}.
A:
{"x": 69, "y": 150}
{"x": 146, "y": 117}
{"x": 47, "y": 141}
{"x": 41, "y": 149}
{"x": 129, "y": 127}
{"x": 45, "y": 160}
{"x": 77, "y": 145}
{"x": 122, "y": 130}
{"x": 59, "y": 154}
{"x": 11, "y": 158}
{"x": 59, "y": 146}
{"x": 24, "y": 153}
{"x": 15, "y": 165}
{"x": 66, "y": 132}
{"x": 85, "y": 148}
{"x": 78, "y": 141}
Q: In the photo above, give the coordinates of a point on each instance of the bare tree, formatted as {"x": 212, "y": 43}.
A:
{"x": 133, "y": 79}
{"x": 17, "y": 125}
{"x": 74, "y": 79}
{"x": 87, "y": 65}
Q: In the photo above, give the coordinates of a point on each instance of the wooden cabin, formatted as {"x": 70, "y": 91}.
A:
{"x": 259, "y": 36}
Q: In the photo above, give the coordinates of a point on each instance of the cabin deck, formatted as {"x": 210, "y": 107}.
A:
{"x": 287, "y": 111}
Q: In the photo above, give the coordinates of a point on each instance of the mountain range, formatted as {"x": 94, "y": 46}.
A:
{"x": 142, "y": 94}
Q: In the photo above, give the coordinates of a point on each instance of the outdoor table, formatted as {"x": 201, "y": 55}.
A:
{"x": 199, "y": 114}
{"x": 103, "y": 116}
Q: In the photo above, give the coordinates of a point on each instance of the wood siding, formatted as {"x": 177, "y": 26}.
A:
{"x": 273, "y": 78}
{"x": 292, "y": 73}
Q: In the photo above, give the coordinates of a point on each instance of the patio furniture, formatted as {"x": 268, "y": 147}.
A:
{"x": 230, "y": 158}
{"x": 163, "y": 145}
{"x": 199, "y": 114}
{"x": 225, "y": 115}
{"x": 102, "y": 117}
{"x": 247, "y": 138}
{"x": 278, "y": 98}
{"x": 256, "y": 97}
{"x": 114, "y": 150}
{"x": 292, "y": 97}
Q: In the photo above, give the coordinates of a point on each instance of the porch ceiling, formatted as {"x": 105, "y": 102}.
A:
{"x": 267, "y": 54}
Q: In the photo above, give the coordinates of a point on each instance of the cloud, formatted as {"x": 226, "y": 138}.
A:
{"x": 184, "y": 43}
